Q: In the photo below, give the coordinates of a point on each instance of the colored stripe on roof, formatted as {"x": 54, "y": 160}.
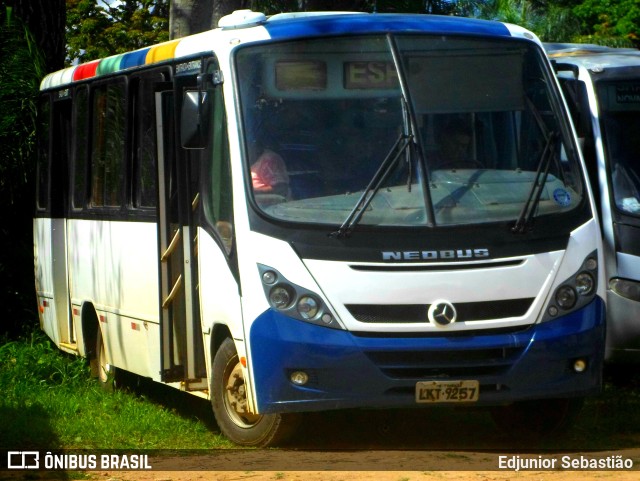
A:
{"x": 109, "y": 65}
{"x": 164, "y": 51}
{"x": 134, "y": 59}
{"x": 86, "y": 70}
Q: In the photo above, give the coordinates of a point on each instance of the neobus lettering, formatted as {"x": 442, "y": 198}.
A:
{"x": 434, "y": 255}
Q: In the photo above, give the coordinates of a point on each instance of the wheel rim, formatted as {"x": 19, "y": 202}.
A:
{"x": 105, "y": 370}
{"x": 235, "y": 397}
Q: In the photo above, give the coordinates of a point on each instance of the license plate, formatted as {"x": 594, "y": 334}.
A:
{"x": 447, "y": 391}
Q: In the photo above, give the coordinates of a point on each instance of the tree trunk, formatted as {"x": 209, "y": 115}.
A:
{"x": 194, "y": 16}
{"x": 46, "y": 22}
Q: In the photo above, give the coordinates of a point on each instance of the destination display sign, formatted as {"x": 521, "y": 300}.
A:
{"x": 370, "y": 75}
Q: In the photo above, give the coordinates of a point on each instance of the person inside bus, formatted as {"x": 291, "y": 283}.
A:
{"x": 269, "y": 172}
{"x": 455, "y": 146}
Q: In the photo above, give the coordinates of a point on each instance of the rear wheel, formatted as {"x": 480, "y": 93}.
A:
{"x": 537, "y": 419}
{"x": 230, "y": 407}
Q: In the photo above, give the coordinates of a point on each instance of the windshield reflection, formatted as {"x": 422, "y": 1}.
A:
{"x": 322, "y": 116}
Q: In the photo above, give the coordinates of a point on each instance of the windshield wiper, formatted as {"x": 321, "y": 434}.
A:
{"x": 529, "y": 208}
{"x": 383, "y": 172}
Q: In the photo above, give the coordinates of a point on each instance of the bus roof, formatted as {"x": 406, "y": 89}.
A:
{"x": 245, "y": 26}
{"x": 592, "y": 56}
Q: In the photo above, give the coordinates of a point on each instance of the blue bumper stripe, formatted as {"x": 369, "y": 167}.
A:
{"x": 350, "y": 371}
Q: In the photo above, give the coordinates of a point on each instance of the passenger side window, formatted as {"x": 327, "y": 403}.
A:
{"x": 108, "y": 142}
{"x": 81, "y": 116}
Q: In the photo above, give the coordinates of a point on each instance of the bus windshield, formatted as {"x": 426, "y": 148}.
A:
{"x": 620, "y": 117}
{"x": 404, "y": 130}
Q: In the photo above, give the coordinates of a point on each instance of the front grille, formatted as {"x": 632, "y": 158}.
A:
{"x": 444, "y": 364}
{"x": 414, "y": 313}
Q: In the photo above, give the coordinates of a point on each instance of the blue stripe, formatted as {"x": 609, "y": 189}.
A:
{"x": 134, "y": 59}
{"x": 383, "y": 23}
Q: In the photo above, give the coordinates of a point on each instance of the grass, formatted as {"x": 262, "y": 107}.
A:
{"x": 51, "y": 402}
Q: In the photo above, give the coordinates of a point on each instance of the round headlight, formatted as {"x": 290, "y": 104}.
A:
{"x": 280, "y": 297}
{"x": 585, "y": 283}
{"x": 626, "y": 288}
{"x": 566, "y": 297}
{"x": 308, "y": 307}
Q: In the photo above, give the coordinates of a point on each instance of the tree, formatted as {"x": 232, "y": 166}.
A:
{"x": 615, "y": 23}
{"x": 96, "y": 29}
{"x": 44, "y": 20}
{"x": 188, "y": 17}
{"x": 23, "y": 65}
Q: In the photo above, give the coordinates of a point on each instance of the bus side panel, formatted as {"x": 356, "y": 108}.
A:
{"x": 623, "y": 328}
{"x": 220, "y": 297}
{"x": 43, "y": 271}
{"x": 114, "y": 266}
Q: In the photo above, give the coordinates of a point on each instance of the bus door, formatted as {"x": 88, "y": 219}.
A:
{"x": 54, "y": 302}
{"x": 182, "y": 352}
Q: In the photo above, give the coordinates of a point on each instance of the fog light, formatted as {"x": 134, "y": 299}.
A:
{"x": 299, "y": 378}
{"x": 580, "y": 365}
{"x": 553, "y": 311}
{"x": 327, "y": 318}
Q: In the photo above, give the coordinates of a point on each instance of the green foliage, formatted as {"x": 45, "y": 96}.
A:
{"x": 97, "y": 30}
{"x": 49, "y": 401}
{"x": 610, "y": 22}
{"x": 21, "y": 69}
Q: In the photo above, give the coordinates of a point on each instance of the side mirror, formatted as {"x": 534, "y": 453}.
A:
{"x": 194, "y": 119}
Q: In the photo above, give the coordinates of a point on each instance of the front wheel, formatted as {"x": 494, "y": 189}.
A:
{"x": 230, "y": 407}
{"x": 537, "y": 419}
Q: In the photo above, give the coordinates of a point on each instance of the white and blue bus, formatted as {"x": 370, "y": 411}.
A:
{"x": 602, "y": 89}
{"x": 311, "y": 212}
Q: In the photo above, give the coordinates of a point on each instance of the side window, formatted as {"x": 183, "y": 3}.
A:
{"x": 145, "y": 141}
{"x": 81, "y": 119}
{"x": 108, "y": 144}
{"x": 219, "y": 208}
{"x": 42, "y": 181}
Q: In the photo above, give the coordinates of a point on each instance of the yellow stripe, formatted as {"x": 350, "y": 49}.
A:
{"x": 164, "y": 51}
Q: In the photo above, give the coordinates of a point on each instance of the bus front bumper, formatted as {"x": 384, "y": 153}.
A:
{"x": 351, "y": 370}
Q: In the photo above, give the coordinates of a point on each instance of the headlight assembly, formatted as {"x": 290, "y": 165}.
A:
{"x": 295, "y": 301}
{"x": 576, "y": 292}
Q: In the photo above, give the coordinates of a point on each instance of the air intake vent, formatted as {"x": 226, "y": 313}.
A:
{"x": 414, "y": 313}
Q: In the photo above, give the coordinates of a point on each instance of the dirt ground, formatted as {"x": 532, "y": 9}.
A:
{"x": 441, "y": 444}
{"x": 379, "y": 466}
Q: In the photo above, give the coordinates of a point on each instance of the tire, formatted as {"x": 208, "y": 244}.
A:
{"x": 537, "y": 419}
{"x": 106, "y": 372}
{"x": 229, "y": 402}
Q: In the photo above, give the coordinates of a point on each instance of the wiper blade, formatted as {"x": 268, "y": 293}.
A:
{"x": 529, "y": 208}
{"x": 383, "y": 172}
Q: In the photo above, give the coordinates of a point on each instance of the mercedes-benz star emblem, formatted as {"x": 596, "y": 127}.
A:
{"x": 442, "y": 313}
